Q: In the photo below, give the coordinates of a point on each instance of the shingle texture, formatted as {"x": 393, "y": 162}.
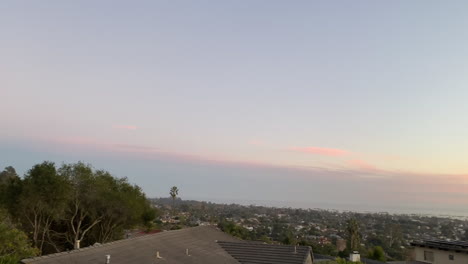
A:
{"x": 172, "y": 245}
{"x": 206, "y": 245}
{"x": 259, "y": 253}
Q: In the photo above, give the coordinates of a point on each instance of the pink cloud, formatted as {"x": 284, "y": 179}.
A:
{"x": 74, "y": 144}
{"x": 363, "y": 165}
{"x": 396, "y": 185}
{"x": 126, "y": 127}
{"x": 321, "y": 151}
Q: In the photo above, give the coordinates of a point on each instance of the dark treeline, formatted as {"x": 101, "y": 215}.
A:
{"x": 53, "y": 209}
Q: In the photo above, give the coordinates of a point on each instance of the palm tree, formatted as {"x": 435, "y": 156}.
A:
{"x": 174, "y": 192}
{"x": 354, "y": 237}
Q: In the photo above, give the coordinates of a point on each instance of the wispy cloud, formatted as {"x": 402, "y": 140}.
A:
{"x": 356, "y": 168}
{"x": 362, "y": 164}
{"x": 125, "y": 127}
{"x": 321, "y": 151}
{"x": 406, "y": 184}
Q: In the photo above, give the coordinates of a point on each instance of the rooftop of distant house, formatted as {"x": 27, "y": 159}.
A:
{"x": 456, "y": 246}
{"x": 256, "y": 252}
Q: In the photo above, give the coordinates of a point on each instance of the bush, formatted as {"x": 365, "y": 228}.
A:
{"x": 14, "y": 244}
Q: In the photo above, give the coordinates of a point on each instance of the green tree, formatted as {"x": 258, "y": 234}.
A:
{"x": 10, "y": 188}
{"x": 377, "y": 253}
{"x": 122, "y": 206}
{"x": 447, "y": 230}
{"x": 354, "y": 237}
{"x": 394, "y": 235}
{"x": 56, "y": 208}
{"x": 9, "y": 173}
{"x": 324, "y": 249}
{"x": 102, "y": 206}
{"x": 174, "y": 192}
{"x": 234, "y": 230}
{"x": 14, "y": 244}
{"x": 85, "y": 200}
{"x": 42, "y": 201}
{"x": 148, "y": 218}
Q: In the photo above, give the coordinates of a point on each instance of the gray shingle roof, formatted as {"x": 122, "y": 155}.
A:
{"x": 172, "y": 245}
{"x": 320, "y": 257}
{"x": 259, "y": 253}
{"x": 207, "y": 245}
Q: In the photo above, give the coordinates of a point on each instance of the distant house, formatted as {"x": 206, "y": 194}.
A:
{"x": 256, "y": 252}
{"x": 441, "y": 252}
{"x": 340, "y": 244}
{"x": 197, "y": 245}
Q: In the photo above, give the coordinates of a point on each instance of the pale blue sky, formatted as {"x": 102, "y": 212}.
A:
{"x": 211, "y": 94}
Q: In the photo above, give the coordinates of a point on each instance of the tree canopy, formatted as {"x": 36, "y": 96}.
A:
{"x": 377, "y": 253}
{"x": 61, "y": 207}
{"x": 9, "y": 173}
{"x": 14, "y": 243}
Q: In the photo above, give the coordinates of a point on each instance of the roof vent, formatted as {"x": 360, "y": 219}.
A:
{"x": 107, "y": 259}
{"x": 157, "y": 255}
{"x": 187, "y": 252}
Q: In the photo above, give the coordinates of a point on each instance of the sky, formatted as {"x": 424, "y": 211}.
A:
{"x": 355, "y": 105}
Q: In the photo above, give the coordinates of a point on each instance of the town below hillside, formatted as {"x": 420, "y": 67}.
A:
{"x": 381, "y": 236}
{"x": 53, "y": 209}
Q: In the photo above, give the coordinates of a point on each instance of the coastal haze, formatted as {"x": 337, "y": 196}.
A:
{"x": 351, "y": 106}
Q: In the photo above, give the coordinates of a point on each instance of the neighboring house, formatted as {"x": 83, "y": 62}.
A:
{"x": 197, "y": 245}
{"x": 257, "y": 252}
{"x": 441, "y": 252}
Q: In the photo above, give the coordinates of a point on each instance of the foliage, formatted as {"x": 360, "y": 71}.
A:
{"x": 14, "y": 244}
{"x": 41, "y": 202}
{"x": 323, "y": 249}
{"x": 354, "y": 237}
{"x": 9, "y": 173}
{"x": 10, "y": 188}
{"x": 174, "y": 192}
{"x": 394, "y": 235}
{"x": 377, "y": 253}
{"x": 235, "y": 230}
{"x": 58, "y": 207}
{"x": 447, "y": 231}
{"x": 344, "y": 254}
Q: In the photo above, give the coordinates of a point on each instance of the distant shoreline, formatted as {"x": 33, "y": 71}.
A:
{"x": 351, "y": 208}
